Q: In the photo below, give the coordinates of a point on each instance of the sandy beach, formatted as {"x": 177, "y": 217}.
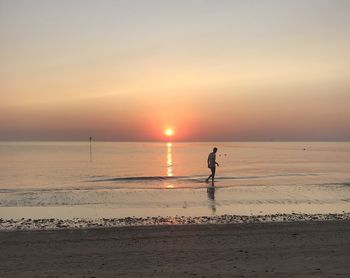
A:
{"x": 308, "y": 249}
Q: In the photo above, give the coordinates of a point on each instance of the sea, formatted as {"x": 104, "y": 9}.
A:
{"x": 67, "y": 180}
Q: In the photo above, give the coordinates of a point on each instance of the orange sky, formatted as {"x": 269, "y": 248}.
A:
{"x": 212, "y": 70}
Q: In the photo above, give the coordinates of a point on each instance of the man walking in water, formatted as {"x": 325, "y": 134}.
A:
{"x": 212, "y": 165}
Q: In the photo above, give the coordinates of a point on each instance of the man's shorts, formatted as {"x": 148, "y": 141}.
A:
{"x": 213, "y": 169}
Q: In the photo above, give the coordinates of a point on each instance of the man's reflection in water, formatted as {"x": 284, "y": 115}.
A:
{"x": 211, "y": 198}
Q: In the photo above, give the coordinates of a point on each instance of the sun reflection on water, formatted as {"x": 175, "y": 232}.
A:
{"x": 169, "y": 160}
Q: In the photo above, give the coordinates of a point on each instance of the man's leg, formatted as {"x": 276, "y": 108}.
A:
{"x": 213, "y": 174}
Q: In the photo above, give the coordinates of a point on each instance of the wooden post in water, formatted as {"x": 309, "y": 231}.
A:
{"x": 90, "y": 138}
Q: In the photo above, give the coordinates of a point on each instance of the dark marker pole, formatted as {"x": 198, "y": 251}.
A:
{"x": 90, "y": 138}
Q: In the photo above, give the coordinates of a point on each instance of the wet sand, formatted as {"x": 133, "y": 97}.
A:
{"x": 305, "y": 249}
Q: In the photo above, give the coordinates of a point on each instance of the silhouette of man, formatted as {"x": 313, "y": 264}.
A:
{"x": 212, "y": 165}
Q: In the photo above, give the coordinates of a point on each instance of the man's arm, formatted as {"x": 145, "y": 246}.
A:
{"x": 216, "y": 162}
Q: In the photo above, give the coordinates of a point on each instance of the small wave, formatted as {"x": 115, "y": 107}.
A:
{"x": 30, "y": 191}
{"x": 195, "y": 178}
{"x": 142, "y": 178}
{"x": 155, "y": 182}
{"x": 347, "y": 183}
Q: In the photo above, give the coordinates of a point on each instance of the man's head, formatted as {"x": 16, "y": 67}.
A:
{"x": 215, "y": 149}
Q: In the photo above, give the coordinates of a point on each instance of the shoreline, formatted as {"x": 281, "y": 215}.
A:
{"x": 302, "y": 249}
{"x": 85, "y": 223}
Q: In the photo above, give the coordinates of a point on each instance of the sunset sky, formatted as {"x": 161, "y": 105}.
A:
{"x": 210, "y": 70}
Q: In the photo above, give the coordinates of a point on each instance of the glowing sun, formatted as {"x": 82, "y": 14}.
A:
{"x": 169, "y": 132}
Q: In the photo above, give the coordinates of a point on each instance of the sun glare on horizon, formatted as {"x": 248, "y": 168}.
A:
{"x": 169, "y": 132}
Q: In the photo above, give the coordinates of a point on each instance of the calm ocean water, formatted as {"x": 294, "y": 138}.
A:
{"x": 62, "y": 179}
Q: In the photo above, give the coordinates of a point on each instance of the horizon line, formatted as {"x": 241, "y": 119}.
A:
{"x": 177, "y": 141}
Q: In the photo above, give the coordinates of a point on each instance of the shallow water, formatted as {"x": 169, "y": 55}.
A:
{"x": 62, "y": 180}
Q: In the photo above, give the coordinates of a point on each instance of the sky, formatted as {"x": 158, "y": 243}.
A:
{"x": 210, "y": 70}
